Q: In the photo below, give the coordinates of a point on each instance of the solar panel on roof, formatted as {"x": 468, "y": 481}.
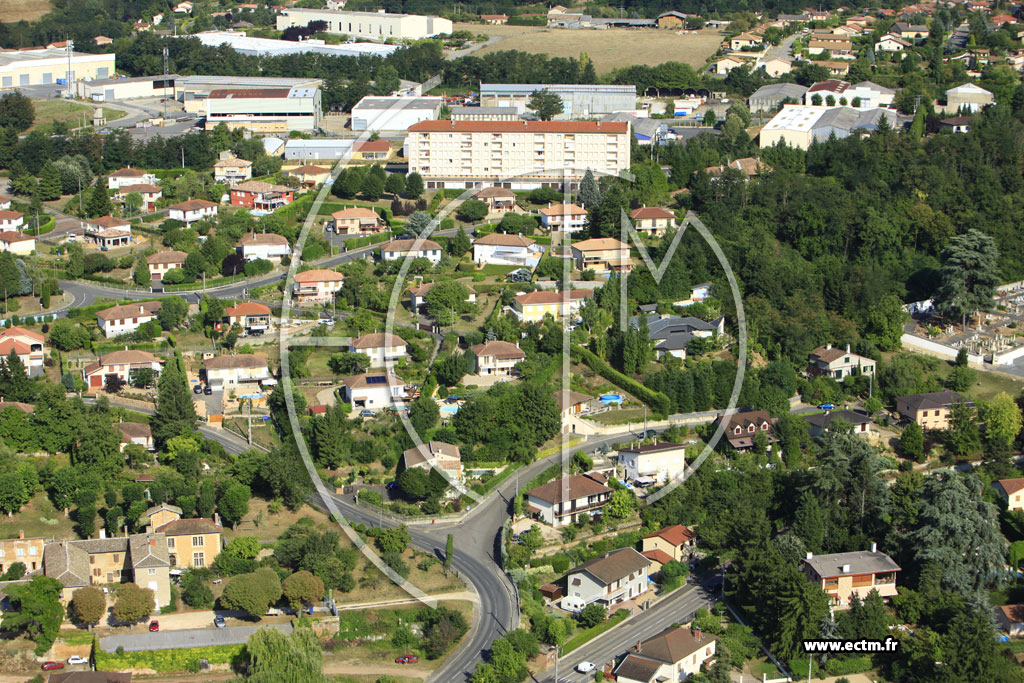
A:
{"x": 376, "y": 380}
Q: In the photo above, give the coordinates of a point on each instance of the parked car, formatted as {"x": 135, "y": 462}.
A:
{"x": 207, "y": 390}
{"x": 366, "y": 412}
{"x": 76, "y": 659}
{"x": 53, "y": 666}
{"x": 154, "y": 626}
{"x": 197, "y": 389}
{"x": 827, "y": 406}
{"x": 219, "y": 622}
{"x": 407, "y": 659}
{"x": 585, "y": 667}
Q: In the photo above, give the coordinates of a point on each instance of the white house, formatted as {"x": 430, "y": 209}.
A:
{"x": 28, "y": 345}
{"x": 870, "y": 94}
{"x": 11, "y": 220}
{"x": 380, "y": 347}
{"x": 317, "y": 286}
{"x": 408, "y": 248}
{"x": 607, "y": 580}
{"x": 436, "y": 455}
{"x": 129, "y": 176}
{"x": 649, "y": 463}
{"x": 108, "y": 232}
{"x": 191, "y": 211}
{"x": 495, "y": 358}
{"x": 120, "y": 363}
{"x": 506, "y": 250}
{"x": 675, "y": 654}
{"x": 375, "y": 390}
{"x": 263, "y": 245}
{"x": 244, "y": 368}
{"x": 118, "y": 320}
{"x": 563, "y": 217}
{"x": 17, "y": 243}
{"x": 1011, "y": 619}
{"x": 832, "y": 361}
{"x": 567, "y": 500}
{"x": 163, "y": 261}
{"x": 891, "y": 43}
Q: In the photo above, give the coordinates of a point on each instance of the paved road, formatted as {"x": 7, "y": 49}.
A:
{"x": 455, "y": 54}
{"x": 196, "y": 637}
{"x": 677, "y": 607}
{"x": 783, "y": 49}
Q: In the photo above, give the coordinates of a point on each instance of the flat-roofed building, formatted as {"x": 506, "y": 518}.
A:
{"x": 515, "y": 154}
{"x": 110, "y": 89}
{"x": 378, "y": 25}
{"x": 395, "y": 113}
{"x": 485, "y": 113}
{"x": 269, "y": 47}
{"x": 264, "y": 110}
{"x": 21, "y": 68}
{"x": 799, "y": 125}
{"x": 578, "y": 100}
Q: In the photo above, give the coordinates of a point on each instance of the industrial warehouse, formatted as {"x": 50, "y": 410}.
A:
{"x": 264, "y": 110}
{"x": 47, "y": 66}
{"x": 379, "y": 25}
{"x": 579, "y": 101}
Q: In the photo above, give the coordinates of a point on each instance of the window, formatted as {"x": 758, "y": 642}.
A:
{"x": 92, "y": 560}
{"x": 197, "y": 541}
{"x": 97, "y": 572}
{"x": 198, "y": 560}
{"x": 170, "y": 542}
{"x": 152, "y": 571}
{"x": 117, "y": 558}
{"x": 20, "y": 552}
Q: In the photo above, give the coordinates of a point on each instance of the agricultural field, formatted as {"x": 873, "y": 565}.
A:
{"x": 609, "y": 48}
{"x": 27, "y": 10}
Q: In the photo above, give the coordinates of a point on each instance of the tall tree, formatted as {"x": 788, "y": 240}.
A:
{"x": 1002, "y": 418}
{"x": 36, "y": 611}
{"x": 49, "y": 182}
{"x": 590, "y": 193}
{"x": 280, "y": 658}
{"x": 99, "y": 199}
{"x": 545, "y": 104}
{"x": 969, "y": 275}
{"x": 175, "y": 415}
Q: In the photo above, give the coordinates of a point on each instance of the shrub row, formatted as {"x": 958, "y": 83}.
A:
{"x": 655, "y": 400}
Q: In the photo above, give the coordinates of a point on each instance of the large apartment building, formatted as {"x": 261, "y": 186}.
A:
{"x": 518, "y": 155}
{"x": 378, "y": 25}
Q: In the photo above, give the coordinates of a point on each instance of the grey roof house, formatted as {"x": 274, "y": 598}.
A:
{"x": 672, "y": 333}
{"x": 771, "y": 97}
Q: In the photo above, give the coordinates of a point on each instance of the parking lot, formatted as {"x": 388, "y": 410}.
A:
{"x": 197, "y": 637}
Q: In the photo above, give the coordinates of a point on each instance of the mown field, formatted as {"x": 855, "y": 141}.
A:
{"x": 29, "y": 10}
{"x": 610, "y": 48}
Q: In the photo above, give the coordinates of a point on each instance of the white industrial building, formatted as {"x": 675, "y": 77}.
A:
{"x": 318, "y": 148}
{"x": 264, "y": 110}
{"x": 799, "y": 125}
{"x": 578, "y": 101}
{"x": 46, "y": 66}
{"x": 378, "y": 25}
{"x": 269, "y": 47}
{"x": 394, "y": 113}
{"x": 110, "y": 89}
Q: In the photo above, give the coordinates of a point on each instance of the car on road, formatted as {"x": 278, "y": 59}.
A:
{"x": 650, "y": 434}
{"x": 197, "y": 389}
{"x": 407, "y": 659}
{"x": 826, "y": 406}
{"x": 585, "y": 667}
{"x": 154, "y": 626}
{"x": 76, "y": 659}
{"x": 219, "y": 621}
{"x": 207, "y": 390}
{"x": 52, "y": 666}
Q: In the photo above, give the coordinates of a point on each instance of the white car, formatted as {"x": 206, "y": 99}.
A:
{"x": 75, "y": 659}
{"x": 585, "y": 667}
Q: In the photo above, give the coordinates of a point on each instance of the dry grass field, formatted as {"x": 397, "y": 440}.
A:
{"x": 17, "y": 10}
{"x": 610, "y": 48}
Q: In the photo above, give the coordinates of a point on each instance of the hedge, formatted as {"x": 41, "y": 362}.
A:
{"x": 851, "y": 665}
{"x": 655, "y": 400}
{"x": 595, "y": 631}
{"x": 168, "y": 661}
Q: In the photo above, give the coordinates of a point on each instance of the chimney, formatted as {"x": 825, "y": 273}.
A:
{"x": 810, "y": 556}
{"x": 639, "y": 646}
{"x": 847, "y": 348}
{"x": 828, "y": 346}
{"x": 216, "y": 519}
{"x": 845, "y": 569}
{"x": 103, "y": 533}
{"x": 126, "y": 531}
{"x": 874, "y": 547}
{"x": 697, "y": 635}
{"x": 21, "y": 534}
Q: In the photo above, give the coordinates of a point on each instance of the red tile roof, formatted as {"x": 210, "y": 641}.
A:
{"x": 651, "y": 212}
{"x": 248, "y": 93}
{"x": 1011, "y": 486}
{"x": 373, "y": 146}
{"x": 677, "y": 534}
{"x": 192, "y": 205}
{"x": 247, "y": 308}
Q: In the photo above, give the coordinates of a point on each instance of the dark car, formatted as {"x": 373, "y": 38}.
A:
{"x": 207, "y": 390}
{"x": 197, "y": 389}
{"x": 154, "y": 626}
{"x": 53, "y": 666}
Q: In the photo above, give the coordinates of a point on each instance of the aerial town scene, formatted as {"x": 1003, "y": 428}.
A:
{"x": 346, "y": 341}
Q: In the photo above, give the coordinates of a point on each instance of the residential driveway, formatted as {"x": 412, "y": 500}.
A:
{"x": 173, "y": 640}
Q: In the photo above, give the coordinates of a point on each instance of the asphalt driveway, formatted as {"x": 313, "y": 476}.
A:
{"x": 173, "y": 640}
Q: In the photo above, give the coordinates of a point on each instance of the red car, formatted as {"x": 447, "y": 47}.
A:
{"x": 407, "y": 659}
{"x": 53, "y": 666}
{"x": 154, "y": 626}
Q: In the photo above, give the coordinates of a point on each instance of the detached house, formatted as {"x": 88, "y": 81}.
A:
{"x": 163, "y": 261}
{"x": 28, "y": 345}
{"x": 317, "y": 286}
{"x": 129, "y": 176}
{"x": 123, "y": 364}
{"x": 150, "y": 194}
{"x": 375, "y": 390}
{"x": 1010, "y": 491}
{"x": 244, "y": 368}
{"x": 136, "y": 433}
{"x": 563, "y": 217}
{"x": 411, "y": 248}
{"x": 652, "y": 220}
{"x": 744, "y": 425}
{"x": 17, "y": 243}
{"x": 495, "y": 358}
{"x": 118, "y": 320}
{"x": 380, "y": 347}
{"x": 675, "y": 654}
{"x": 607, "y": 579}
{"x": 532, "y": 307}
{"x": 602, "y": 255}
{"x": 231, "y": 170}
{"x": 834, "y": 362}
{"x": 310, "y": 175}
{"x": 819, "y": 424}
{"x": 436, "y": 455}
{"x": 108, "y": 232}
{"x": 499, "y": 200}
{"x": 261, "y": 197}
{"x": 355, "y": 221}
{"x": 191, "y": 211}
{"x": 418, "y": 296}
{"x": 506, "y": 250}
{"x": 1011, "y": 619}
{"x": 571, "y": 403}
{"x": 252, "y": 317}
{"x": 263, "y": 245}
{"x": 653, "y": 463}
{"x": 11, "y": 221}
{"x": 673, "y": 543}
{"x": 567, "y": 500}
{"x": 844, "y": 575}
{"x": 930, "y": 410}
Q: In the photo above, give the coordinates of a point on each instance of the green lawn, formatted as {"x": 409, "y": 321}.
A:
{"x": 38, "y": 519}
{"x": 48, "y": 111}
{"x": 591, "y": 633}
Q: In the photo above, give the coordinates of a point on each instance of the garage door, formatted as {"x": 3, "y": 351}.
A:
{"x": 108, "y": 95}
{"x": 96, "y": 381}
{"x": 103, "y": 72}
{"x": 47, "y": 79}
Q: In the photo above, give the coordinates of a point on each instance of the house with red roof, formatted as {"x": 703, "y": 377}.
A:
{"x": 652, "y": 221}
{"x": 317, "y": 286}
{"x": 671, "y": 543}
{"x": 252, "y": 317}
{"x": 129, "y": 176}
{"x": 119, "y": 363}
{"x": 29, "y": 346}
{"x": 1011, "y": 491}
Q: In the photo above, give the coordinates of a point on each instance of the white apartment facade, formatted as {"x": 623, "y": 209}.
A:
{"x": 661, "y": 461}
{"x": 518, "y": 155}
{"x": 378, "y": 25}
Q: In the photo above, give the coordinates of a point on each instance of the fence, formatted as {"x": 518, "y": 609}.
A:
{"x": 936, "y": 349}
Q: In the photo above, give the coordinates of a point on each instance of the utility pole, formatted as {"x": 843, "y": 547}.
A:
{"x": 250, "y": 420}
{"x": 165, "y": 82}
{"x": 183, "y": 157}
{"x": 71, "y": 76}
